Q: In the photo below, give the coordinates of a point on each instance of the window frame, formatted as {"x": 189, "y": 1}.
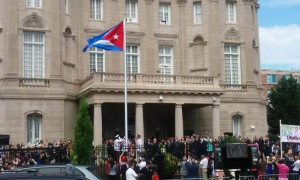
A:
{"x": 238, "y": 54}
{"x": 270, "y": 78}
{"x": 161, "y": 22}
{"x": 40, "y": 119}
{"x": 136, "y": 10}
{"x": 34, "y": 3}
{"x": 95, "y": 10}
{"x": 33, "y": 53}
{"x": 131, "y": 54}
{"x": 166, "y": 55}
{"x": 239, "y": 125}
{"x": 195, "y": 13}
{"x": 96, "y": 52}
{"x": 228, "y": 14}
{"x": 67, "y": 6}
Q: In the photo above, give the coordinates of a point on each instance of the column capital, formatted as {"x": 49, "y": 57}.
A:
{"x": 215, "y": 105}
{"x": 98, "y": 104}
{"x": 178, "y": 105}
{"x": 139, "y": 104}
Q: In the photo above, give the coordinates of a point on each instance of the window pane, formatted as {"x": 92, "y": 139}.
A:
{"x": 33, "y": 65}
{"x": 232, "y": 65}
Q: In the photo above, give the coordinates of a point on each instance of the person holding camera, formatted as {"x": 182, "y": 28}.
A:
{"x": 192, "y": 167}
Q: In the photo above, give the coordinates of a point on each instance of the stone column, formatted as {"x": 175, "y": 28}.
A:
{"x": 216, "y": 120}
{"x": 139, "y": 120}
{"x": 178, "y": 121}
{"x": 97, "y": 124}
{"x": 56, "y": 36}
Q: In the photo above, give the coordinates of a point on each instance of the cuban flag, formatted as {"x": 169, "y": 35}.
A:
{"x": 110, "y": 40}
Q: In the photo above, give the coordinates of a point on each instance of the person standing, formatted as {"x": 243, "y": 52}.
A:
{"x": 203, "y": 165}
{"x": 183, "y": 168}
{"x": 117, "y": 146}
{"x": 192, "y": 167}
{"x": 130, "y": 173}
{"x": 139, "y": 146}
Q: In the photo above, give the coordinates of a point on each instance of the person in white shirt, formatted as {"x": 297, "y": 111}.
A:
{"x": 117, "y": 146}
{"x": 296, "y": 165}
{"x": 130, "y": 173}
{"x": 203, "y": 165}
{"x": 142, "y": 163}
{"x": 139, "y": 145}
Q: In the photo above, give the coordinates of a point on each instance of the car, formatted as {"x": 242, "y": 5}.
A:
{"x": 59, "y": 169}
{"x": 33, "y": 176}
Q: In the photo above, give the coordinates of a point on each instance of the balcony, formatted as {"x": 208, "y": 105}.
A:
{"x": 151, "y": 82}
{"x": 34, "y": 82}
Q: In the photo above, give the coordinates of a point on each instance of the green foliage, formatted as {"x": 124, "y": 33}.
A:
{"x": 170, "y": 164}
{"x": 284, "y": 104}
{"x": 83, "y": 131}
{"x": 230, "y": 139}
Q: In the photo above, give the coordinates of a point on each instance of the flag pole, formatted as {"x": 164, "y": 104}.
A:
{"x": 125, "y": 82}
{"x": 280, "y": 139}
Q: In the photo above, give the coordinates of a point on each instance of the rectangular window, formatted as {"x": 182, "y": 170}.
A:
{"x": 166, "y": 59}
{"x": 67, "y": 6}
{"x": 197, "y": 13}
{"x": 97, "y": 60}
{"x": 131, "y": 11}
{"x": 286, "y": 77}
{"x": 34, "y": 3}
{"x": 271, "y": 78}
{"x": 132, "y": 59}
{"x": 232, "y": 64}
{"x": 236, "y": 123}
{"x": 96, "y": 9}
{"x": 165, "y": 13}
{"x": 231, "y": 12}
{"x": 34, "y": 128}
{"x": 34, "y": 55}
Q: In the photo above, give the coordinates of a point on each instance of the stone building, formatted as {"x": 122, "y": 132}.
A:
{"x": 194, "y": 67}
{"x": 270, "y": 77}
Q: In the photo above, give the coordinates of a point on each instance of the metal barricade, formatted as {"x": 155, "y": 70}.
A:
{"x": 247, "y": 178}
{"x": 219, "y": 178}
{"x": 290, "y": 176}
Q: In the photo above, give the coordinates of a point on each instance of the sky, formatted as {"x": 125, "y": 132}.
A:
{"x": 279, "y": 33}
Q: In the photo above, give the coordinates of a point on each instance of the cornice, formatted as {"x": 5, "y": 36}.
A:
{"x": 163, "y": 35}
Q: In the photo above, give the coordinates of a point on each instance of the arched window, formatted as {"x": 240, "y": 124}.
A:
{"x": 236, "y": 125}
{"x": 34, "y": 128}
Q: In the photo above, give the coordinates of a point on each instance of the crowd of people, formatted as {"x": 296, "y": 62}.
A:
{"x": 195, "y": 154}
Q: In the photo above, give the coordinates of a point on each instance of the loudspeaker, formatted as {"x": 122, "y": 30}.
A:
{"x": 236, "y": 150}
{"x": 218, "y": 163}
{"x": 253, "y": 154}
{"x": 4, "y": 139}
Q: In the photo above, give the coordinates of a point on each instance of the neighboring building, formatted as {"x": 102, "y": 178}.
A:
{"x": 270, "y": 77}
{"x": 194, "y": 67}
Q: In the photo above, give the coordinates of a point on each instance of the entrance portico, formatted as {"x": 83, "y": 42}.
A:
{"x": 160, "y": 120}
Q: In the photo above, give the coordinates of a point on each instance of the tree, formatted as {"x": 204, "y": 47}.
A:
{"x": 83, "y": 130}
{"x": 284, "y": 104}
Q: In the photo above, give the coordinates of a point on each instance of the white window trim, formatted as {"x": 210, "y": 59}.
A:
{"x": 133, "y": 54}
{"x": 67, "y": 6}
{"x": 239, "y": 119}
{"x": 169, "y": 13}
{"x": 136, "y": 11}
{"x": 195, "y": 13}
{"x": 239, "y": 62}
{"x": 97, "y": 52}
{"x": 228, "y": 11}
{"x": 101, "y": 10}
{"x": 271, "y": 78}
{"x": 40, "y": 128}
{"x": 165, "y": 65}
{"x": 44, "y": 56}
{"x": 33, "y": 2}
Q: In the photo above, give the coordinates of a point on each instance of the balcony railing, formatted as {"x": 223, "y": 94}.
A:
{"x": 152, "y": 79}
{"x": 235, "y": 87}
{"x": 34, "y": 82}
